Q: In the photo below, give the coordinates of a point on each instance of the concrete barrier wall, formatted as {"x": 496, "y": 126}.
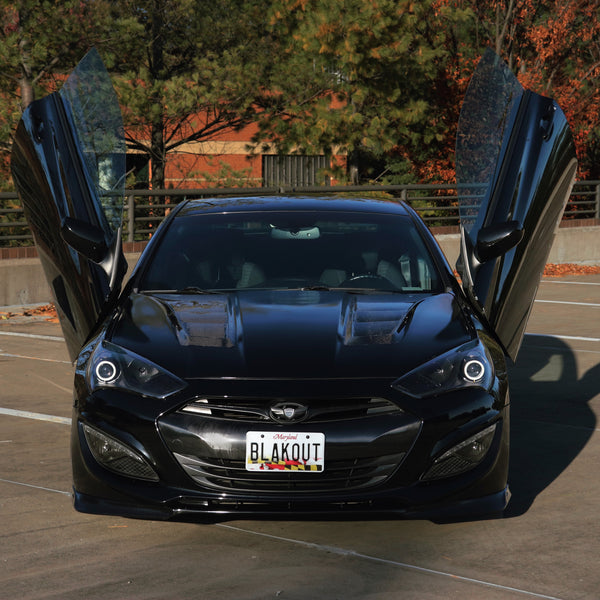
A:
{"x": 579, "y": 245}
{"x": 22, "y": 280}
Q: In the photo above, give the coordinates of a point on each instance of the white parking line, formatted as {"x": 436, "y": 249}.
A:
{"x": 352, "y": 553}
{"x": 36, "y": 487}
{"x": 574, "y": 338}
{"x": 25, "y": 414}
{"x": 54, "y": 360}
{"x": 50, "y": 338}
{"x": 567, "y": 302}
{"x": 568, "y": 350}
{"x": 570, "y": 282}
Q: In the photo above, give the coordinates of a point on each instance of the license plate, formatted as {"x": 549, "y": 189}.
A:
{"x": 285, "y": 451}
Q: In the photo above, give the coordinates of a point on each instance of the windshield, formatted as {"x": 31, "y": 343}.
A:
{"x": 287, "y": 250}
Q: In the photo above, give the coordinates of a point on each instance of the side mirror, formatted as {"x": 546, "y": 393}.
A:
{"x": 85, "y": 239}
{"x": 495, "y": 240}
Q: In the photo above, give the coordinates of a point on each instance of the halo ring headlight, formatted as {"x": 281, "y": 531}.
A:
{"x": 106, "y": 371}
{"x": 474, "y": 370}
{"x": 114, "y": 367}
{"x": 468, "y": 365}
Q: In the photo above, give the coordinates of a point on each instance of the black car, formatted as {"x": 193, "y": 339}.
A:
{"x": 286, "y": 355}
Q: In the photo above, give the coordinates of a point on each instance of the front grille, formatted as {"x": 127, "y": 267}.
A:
{"x": 319, "y": 411}
{"x": 366, "y": 440}
{"x": 339, "y": 475}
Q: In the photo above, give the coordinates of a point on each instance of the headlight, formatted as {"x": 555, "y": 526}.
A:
{"x": 111, "y": 366}
{"x": 468, "y": 365}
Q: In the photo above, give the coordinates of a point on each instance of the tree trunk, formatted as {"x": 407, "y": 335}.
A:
{"x": 26, "y": 79}
{"x": 353, "y": 166}
{"x": 158, "y": 156}
{"x": 157, "y": 65}
{"x": 27, "y": 93}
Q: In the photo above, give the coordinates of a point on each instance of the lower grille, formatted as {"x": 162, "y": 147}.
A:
{"x": 231, "y": 475}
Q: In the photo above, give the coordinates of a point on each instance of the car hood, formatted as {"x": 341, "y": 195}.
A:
{"x": 290, "y": 333}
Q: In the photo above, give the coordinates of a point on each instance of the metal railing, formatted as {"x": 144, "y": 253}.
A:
{"x": 145, "y": 209}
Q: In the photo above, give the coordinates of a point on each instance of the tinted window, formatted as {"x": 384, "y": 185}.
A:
{"x": 93, "y": 108}
{"x": 486, "y": 119}
{"x": 292, "y": 249}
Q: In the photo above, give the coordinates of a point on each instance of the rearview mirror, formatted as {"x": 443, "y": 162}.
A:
{"x": 85, "y": 238}
{"x": 303, "y": 233}
{"x": 495, "y": 240}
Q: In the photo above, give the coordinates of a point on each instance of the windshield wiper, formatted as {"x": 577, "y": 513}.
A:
{"x": 351, "y": 290}
{"x": 190, "y": 289}
{"x": 361, "y": 290}
{"x": 316, "y": 288}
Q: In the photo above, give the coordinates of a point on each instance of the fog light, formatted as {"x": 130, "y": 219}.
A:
{"x": 117, "y": 457}
{"x": 463, "y": 456}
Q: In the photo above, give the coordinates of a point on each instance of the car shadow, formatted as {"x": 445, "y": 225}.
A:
{"x": 551, "y": 419}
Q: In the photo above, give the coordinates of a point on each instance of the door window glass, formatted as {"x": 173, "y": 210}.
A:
{"x": 94, "y": 110}
{"x": 486, "y": 117}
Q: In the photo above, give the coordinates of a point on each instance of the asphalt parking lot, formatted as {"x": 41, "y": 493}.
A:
{"x": 546, "y": 546}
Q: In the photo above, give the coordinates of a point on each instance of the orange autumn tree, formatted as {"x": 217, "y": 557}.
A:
{"x": 553, "y": 46}
{"x": 565, "y": 64}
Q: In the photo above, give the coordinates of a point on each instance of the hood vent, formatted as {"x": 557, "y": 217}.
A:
{"x": 372, "y": 323}
{"x": 202, "y": 321}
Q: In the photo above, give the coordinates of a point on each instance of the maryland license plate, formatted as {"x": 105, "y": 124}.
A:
{"x": 285, "y": 451}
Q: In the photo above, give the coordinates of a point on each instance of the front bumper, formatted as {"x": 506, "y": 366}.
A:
{"x": 490, "y": 506}
{"x": 412, "y": 438}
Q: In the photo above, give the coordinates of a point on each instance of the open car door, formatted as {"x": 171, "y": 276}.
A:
{"x": 515, "y": 166}
{"x": 68, "y": 164}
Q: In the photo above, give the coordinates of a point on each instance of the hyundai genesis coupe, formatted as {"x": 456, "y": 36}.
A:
{"x": 294, "y": 354}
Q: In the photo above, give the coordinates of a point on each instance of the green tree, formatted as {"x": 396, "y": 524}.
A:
{"x": 193, "y": 73}
{"x": 41, "y": 42}
{"x": 356, "y": 77}
{"x": 39, "y": 38}
{"x": 184, "y": 70}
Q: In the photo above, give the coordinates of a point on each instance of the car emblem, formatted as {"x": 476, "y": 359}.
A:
{"x": 288, "y": 412}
